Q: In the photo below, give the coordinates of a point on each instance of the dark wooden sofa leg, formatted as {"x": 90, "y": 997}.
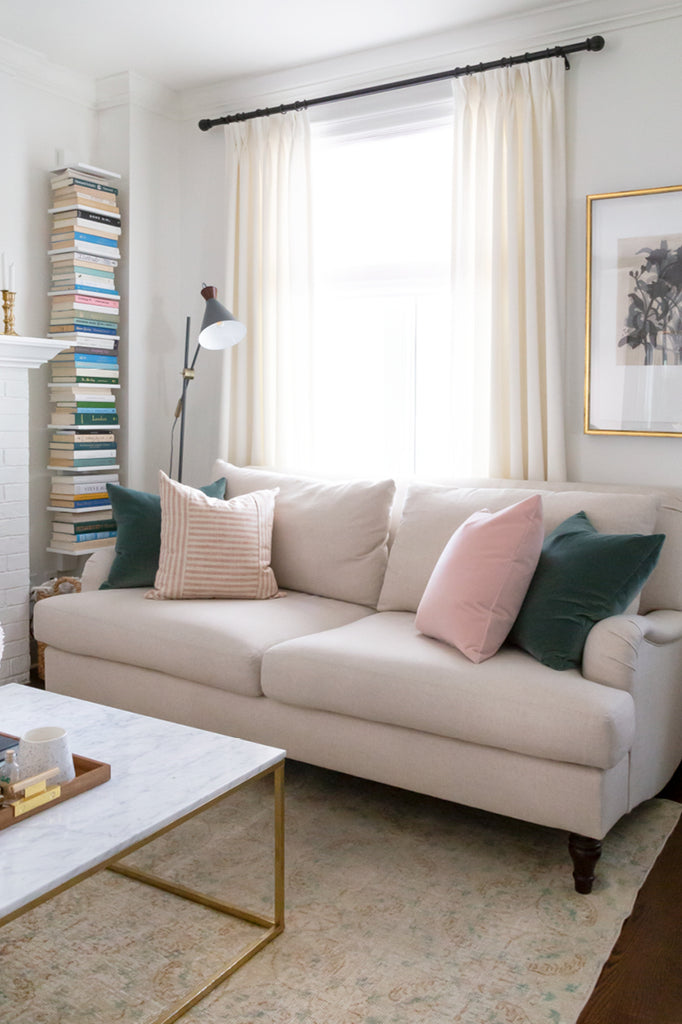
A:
{"x": 585, "y": 853}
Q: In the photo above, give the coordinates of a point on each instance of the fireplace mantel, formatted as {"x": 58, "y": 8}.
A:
{"x": 18, "y": 355}
{"x": 27, "y": 353}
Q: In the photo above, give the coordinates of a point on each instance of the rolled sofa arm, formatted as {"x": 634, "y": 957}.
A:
{"x": 97, "y": 567}
{"x": 614, "y": 646}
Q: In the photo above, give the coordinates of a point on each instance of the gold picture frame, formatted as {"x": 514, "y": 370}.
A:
{"x": 633, "y": 319}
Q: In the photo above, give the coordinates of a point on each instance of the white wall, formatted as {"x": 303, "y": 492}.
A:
{"x": 623, "y": 130}
{"x": 137, "y": 126}
{"x": 622, "y": 134}
{"x": 43, "y": 109}
{"x": 622, "y": 122}
{"x": 131, "y": 126}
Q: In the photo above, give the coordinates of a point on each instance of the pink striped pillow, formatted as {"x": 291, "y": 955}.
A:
{"x": 214, "y": 548}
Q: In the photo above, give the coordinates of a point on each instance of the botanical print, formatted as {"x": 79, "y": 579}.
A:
{"x": 650, "y": 301}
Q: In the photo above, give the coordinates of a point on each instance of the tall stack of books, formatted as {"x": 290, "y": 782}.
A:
{"x": 84, "y": 252}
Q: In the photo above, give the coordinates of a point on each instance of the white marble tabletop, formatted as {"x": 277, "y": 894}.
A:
{"x": 159, "y": 772}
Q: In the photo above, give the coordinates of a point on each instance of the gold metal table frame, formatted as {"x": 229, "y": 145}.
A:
{"x": 273, "y": 926}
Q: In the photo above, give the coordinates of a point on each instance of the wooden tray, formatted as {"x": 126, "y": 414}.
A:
{"x": 89, "y": 774}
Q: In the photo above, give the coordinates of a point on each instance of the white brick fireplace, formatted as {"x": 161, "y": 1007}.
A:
{"x": 17, "y": 357}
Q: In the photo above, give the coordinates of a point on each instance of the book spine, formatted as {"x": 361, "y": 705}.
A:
{"x": 84, "y": 274}
{"x": 96, "y": 536}
{"x": 83, "y": 408}
{"x": 85, "y": 357}
{"x": 67, "y": 450}
{"x": 89, "y": 437}
{"x": 81, "y": 418}
{"x": 87, "y": 217}
{"x": 69, "y": 529}
{"x": 87, "y": 182}
{"x": 83, "y": 247}
{"x": 84, "y": 463}
{"x": 86, "y": 303}
{"x": 80, "y": 456}
{"x": 69, "y": 375}
{"x": 90, "y": 496}
{"x": 84, "y": 236}
{"x": 71, "y": 259}
{"x": 87, "y": 503}
{"x": 66, "y": 225}
{"x": 84, "y": 373}
{"x": 88, "y": 478}
{"x": 77, "y": 288}
{"x": 80, "y": 198}
{"x": 76, "y": 328}
{"x": 74, "y": 490}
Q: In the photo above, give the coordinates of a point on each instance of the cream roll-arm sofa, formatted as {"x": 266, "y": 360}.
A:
{"x": 336, "y": 672}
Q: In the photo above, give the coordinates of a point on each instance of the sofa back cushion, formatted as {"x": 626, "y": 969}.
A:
{"x": 432, "y": 513}
{"x": 663, "y": 589}
{"x": 329, "y": 538}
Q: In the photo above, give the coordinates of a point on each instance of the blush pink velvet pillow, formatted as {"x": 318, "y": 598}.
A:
{"x": 480, "y": 580}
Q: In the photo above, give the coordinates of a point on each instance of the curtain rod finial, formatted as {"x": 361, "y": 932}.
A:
{"x": 595, "y": 43}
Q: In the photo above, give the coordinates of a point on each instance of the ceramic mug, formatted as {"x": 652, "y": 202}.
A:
{"x": 47, "y": 747}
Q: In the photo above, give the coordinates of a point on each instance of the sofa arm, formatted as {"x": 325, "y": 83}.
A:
{"x": 97, "y": 567}
{"x": 613, "y": 648}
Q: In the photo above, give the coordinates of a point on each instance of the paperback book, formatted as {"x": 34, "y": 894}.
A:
{"x": 91, "y": 521}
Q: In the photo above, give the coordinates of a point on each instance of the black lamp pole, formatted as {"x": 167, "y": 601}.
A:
{"x": 187, "y": 376}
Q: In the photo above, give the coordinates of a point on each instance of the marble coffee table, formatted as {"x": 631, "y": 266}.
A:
{"x": 161, "y": 774}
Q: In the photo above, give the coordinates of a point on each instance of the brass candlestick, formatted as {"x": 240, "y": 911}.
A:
{"x": 8, "y": 309}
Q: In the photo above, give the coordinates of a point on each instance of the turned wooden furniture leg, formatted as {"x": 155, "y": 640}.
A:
{"x": 585, "y": 853}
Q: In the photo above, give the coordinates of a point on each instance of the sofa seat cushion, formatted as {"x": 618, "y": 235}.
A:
{"x": 382, "y": 670}
{"x": 218, "y": 643}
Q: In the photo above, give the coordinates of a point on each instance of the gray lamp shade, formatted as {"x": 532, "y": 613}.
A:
{"x": 219, "y": 329}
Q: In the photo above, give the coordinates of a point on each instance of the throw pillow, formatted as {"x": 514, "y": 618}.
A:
{"x": 480, "y": 580}
{"x": 582, "y": 577}
{"x": 213, "y": 548}
{"x": 138, "y": 534}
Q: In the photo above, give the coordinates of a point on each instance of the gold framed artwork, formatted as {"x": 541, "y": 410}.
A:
{"x": 633, "y": 344}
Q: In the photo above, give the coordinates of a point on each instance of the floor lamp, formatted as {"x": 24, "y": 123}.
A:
{"x": 219, "y": 330}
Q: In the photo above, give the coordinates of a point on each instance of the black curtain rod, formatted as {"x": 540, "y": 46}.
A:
{"x": 593, "y": 43}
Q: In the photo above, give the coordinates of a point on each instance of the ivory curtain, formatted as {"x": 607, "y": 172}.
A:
{"x": 509, "y": 267}
{"x": 265, "y": 418}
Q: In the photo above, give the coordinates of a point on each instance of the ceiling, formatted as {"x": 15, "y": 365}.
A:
{"x": 186, "y": 45}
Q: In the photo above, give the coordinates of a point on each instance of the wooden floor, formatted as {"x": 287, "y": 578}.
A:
{"x": 641, "y": 982}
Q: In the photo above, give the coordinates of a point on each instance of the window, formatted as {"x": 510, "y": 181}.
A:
{"x": 386, "y": 386}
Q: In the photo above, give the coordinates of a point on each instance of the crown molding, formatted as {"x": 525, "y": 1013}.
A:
{"x": 130, "y": 89}
{"x": 548, "y": 26}
{"x": 32, "y": 68}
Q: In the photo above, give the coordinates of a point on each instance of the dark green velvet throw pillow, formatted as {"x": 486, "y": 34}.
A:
{"x": 138, "y": 534}
{"x": 583, "y": 576}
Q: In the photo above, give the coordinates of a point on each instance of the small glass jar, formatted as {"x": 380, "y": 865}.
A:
{"x": 9, "y": 769}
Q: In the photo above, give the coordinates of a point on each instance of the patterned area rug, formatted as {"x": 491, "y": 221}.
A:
{"x": 400, "y": 909}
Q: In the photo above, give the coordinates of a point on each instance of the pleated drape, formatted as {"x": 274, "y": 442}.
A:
{"x": 509, "y": 229}
{"x": 267, "y": 378}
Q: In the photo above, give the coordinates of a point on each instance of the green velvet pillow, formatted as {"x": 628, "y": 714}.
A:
{"x": 583, "y": 576}
{"x": 138, "y": 534}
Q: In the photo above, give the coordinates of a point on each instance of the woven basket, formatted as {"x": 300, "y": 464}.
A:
{"x": 60, "y": 585}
